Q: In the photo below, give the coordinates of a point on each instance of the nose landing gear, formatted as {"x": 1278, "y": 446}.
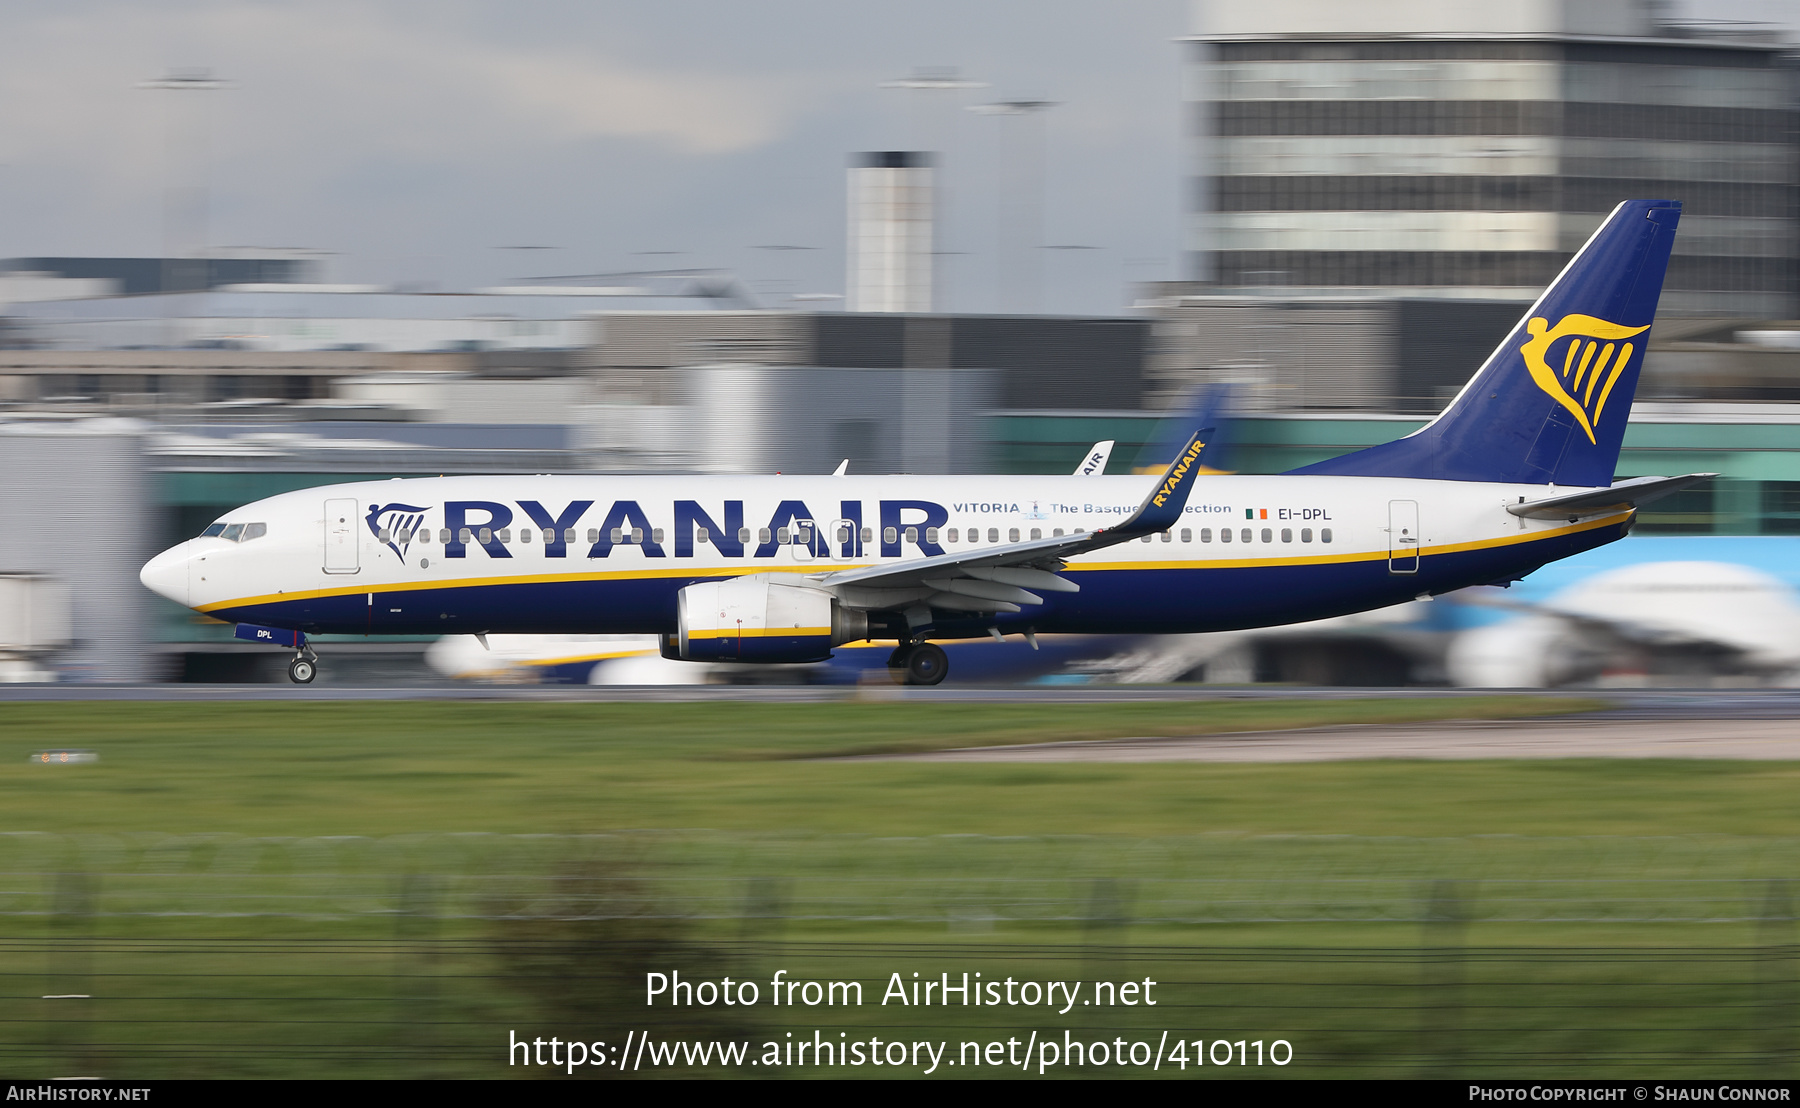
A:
{"x": 919, "y": 664}
{"x": 304, "y": 667}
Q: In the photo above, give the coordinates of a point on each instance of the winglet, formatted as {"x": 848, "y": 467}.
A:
{"x": 1162, "y": 509}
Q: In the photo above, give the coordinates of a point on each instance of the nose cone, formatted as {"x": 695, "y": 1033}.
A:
{"x": 167, "y": 574}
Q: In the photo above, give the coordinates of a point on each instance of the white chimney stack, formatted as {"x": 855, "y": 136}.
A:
{"x": 890, "y": 232}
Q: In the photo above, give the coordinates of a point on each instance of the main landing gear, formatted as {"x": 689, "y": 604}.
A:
{"x": 304, "y": 667}
{"x": 919, "y": 664}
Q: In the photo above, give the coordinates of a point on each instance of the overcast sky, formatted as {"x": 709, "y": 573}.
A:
{"x": 419, "y": 141}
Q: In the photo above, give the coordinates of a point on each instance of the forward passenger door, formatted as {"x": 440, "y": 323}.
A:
{"x": 340, "y": 536}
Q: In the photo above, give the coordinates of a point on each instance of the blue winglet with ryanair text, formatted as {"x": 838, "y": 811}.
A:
{"x": 1162, "y": 509}
{"x": 1549, "y": 406}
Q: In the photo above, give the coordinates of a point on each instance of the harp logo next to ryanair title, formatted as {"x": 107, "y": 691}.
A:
{"x": 1578, "y": 387}
{"x": 1179, "y": 473}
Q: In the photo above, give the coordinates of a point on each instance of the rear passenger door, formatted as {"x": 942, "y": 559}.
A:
{"x": 1403, "y": 536}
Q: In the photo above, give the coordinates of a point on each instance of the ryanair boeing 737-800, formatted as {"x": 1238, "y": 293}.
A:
{"x": 1515, "y": 473}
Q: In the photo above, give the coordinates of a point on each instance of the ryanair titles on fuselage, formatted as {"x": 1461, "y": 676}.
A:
{"x": 722, "y": 525}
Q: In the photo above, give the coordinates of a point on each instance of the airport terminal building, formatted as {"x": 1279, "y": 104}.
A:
{"x": 1459, "y": 149}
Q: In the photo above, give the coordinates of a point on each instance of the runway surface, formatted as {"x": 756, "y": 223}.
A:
{"x": 1603, "y": 736}
{"x": 1650, "y": 704}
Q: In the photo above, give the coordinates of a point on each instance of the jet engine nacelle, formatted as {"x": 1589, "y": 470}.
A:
{"x": 763, "y": 619}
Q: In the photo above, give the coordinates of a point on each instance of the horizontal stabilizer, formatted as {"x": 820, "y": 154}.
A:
{"x": 1598, "y": 502}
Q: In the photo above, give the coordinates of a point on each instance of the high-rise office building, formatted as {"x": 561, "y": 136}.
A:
{"x": 1447, "y": 148}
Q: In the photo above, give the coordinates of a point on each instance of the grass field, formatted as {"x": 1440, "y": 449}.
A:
{"x": 388, "y": 768}
{"x": 385, "y": 889}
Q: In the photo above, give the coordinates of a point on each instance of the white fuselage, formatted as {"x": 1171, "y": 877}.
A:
{"x": 469, "y": 554}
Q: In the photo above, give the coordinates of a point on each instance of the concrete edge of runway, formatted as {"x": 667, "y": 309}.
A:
{"x": 1585, "y": 736}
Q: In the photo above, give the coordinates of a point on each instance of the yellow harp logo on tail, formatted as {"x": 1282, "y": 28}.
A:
{"x": 1593, "y": 352}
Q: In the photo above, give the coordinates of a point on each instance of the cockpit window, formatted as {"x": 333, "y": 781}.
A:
{"x": 236, "y": 532}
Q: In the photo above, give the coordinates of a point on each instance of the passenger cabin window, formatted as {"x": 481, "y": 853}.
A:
{"x": 383, "y": 535}
{"x": 1206, "y": 534}
{"x": 952, "y": 534}
{"x": 1187, "y": 534}
{"x": 1268, "y": 535}
{"x": 1012, "y": 535}
{"x": 1168, "y": 536}
{"x": 931, "y": 534}
{"x": 1287, "y": 534}
{"x": 868, "y": 534}
{"x": 701, "y": 536}
{"x": 487, "y": 535}
{"x": 465, "y": 536}
{"x": 890, "y": 535}
{"x": 213, "y": 531}
{"x": 1325, "y": 534}
{"x": 443, "y": 534}
{"x": 1037, "y": 533}
{"x": 782, "y": 538}
{"x": 637, "y": 536}
{"x": 743, "y": 534}
{"x": 912, "y": 534}
{"x": 568, "y": 536}
{"x": 1306, "y": 534}
{"x": 1244, "y": 534}
{"x": 762, "y": 534}
{"x": 594, "y": 535}
{"x": 993, "y": 534}
{"x": 505, "y": 534}
{"x": 617, "y": 536}
{"x": 1057, "y": 533}
{"x": 1224, "y": 534}
{"x": 525, "y": 534}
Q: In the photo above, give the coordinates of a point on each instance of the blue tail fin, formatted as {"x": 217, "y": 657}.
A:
{"x": 1209, "y": 411}
{"x": 1549, "y": 406}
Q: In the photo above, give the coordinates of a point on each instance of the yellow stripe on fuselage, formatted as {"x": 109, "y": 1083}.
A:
{"x": 704, "y": 572}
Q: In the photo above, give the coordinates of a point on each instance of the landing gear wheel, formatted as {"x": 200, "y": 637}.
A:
{"x": 897, "y": 663}
{"x": 301, "y": 671}
{"x": 926, "y": 664}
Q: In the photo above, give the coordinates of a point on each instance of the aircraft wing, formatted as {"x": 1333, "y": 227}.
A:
{"x": 1595, "y": 502}
{"x": 997, "y": 578}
